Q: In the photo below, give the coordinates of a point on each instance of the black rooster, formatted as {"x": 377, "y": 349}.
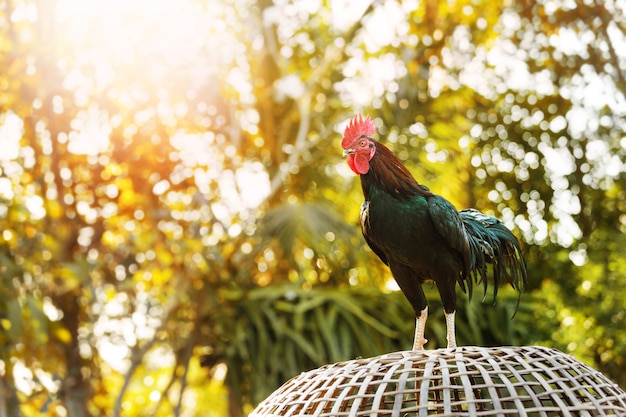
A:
{"x": 421, "y": 236}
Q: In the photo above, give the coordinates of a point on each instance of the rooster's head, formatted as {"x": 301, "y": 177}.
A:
{"x": 357, "y": 143}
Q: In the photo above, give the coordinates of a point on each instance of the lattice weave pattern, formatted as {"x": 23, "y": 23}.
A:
{"x": 468, "y": 381}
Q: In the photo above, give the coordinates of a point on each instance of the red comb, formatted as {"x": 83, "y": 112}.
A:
{"x": 357, "y": 127}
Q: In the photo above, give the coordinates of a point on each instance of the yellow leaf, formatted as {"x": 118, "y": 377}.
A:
{"x": 62, "y": 334}
{"x": 161, "y": 276}
{"x": 110, "y": 238}
{"x": 54, "y": 209}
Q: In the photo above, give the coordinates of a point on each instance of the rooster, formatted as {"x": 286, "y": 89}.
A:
{"x": 421, "y": 236}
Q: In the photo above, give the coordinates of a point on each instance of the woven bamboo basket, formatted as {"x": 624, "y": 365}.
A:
{"x": 467, "y": 381}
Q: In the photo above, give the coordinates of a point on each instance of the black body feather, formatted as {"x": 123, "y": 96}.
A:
{"x": 421, "y": 236}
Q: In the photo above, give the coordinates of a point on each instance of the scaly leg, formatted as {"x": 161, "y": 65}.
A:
{"x": 420, "y": 326}
{"x": 450, "y": 336}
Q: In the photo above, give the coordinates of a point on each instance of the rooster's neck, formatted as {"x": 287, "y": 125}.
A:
{"x": 388, "y": 174}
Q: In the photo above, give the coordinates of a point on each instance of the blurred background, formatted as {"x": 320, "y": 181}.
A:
{"x": 179, "y": 233}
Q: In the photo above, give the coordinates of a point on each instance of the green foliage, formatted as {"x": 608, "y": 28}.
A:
{"x": 288, "y": 330}
{"x": 279, "y": 331}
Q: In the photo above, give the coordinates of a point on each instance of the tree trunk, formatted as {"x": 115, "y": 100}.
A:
{"x": 76, "y": 390}
{"x": 9, "y": 406}
{"x": 234, "y": 408}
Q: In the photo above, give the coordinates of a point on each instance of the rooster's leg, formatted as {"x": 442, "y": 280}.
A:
{"x": 450, "y": 336}
{"x": 420, "y": 326}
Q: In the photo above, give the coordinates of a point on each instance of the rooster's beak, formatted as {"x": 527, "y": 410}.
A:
{"x": 347, "y": 152}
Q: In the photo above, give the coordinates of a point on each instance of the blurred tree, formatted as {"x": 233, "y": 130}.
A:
{"x": 553, "y": 153}
{"x": 175, "y": 216}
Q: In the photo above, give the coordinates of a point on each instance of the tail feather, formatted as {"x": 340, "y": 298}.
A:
{"x": 491, "y": 242}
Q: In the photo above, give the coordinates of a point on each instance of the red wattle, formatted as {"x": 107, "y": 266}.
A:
{"x": 362, "y": 164}
{"x": 359, "y": 163}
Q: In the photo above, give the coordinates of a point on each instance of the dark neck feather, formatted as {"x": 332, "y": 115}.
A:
{"x": 388, "y": 174}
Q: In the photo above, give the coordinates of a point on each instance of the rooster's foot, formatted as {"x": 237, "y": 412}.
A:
{"x": 450, "y": 336}
{"x": 420, "y": 326}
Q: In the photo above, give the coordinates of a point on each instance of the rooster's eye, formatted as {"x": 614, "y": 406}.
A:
{"x": 362, "y": 143}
